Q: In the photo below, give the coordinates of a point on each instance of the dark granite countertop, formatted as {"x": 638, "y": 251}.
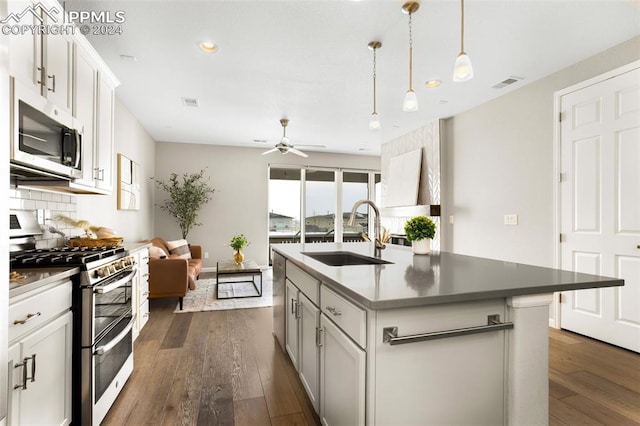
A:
{"x": 441, "y": 277}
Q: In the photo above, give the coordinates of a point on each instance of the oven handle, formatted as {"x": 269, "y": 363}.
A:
{"x": 101, "y": 289}
{"x": 101, "y": 350}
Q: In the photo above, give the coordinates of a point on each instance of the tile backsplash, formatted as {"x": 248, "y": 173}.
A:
{"x": 49, "y": 205}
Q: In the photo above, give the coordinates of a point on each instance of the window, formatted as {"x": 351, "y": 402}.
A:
{"x": 320, "y": 206}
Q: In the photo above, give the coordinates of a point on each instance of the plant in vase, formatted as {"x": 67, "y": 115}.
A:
{"x": 238, "y": 242}
{"x": 420, "y": 230}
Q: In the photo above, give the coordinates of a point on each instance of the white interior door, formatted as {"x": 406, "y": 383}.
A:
{"x": 600, "y": 206}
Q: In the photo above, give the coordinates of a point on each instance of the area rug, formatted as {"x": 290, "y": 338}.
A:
{"x": 203, "y": 298}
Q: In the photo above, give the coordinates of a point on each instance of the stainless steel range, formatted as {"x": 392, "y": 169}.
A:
{"x": 103, "y": 322}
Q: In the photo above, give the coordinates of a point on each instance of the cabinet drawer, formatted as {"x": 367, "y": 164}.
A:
{"x": 351, "y": 319}
{"x": 143, "y": 314}
{"x": 38, "y": 309}
{"x": 305, "y": 282}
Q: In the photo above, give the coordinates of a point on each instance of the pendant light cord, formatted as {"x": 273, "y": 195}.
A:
{"x": 374, "y": 81}
{"x": 410, "y": 55}
{"x": 461, "y": 26}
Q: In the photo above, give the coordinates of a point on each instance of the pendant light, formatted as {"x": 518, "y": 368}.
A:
{"x": 374, "y": 121}
{"x": 410, "y": 100}
{"x": 462, "y": 70}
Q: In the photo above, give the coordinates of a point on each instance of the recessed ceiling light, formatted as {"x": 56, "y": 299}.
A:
{"x": 208, "y": 46}
{"x": 432, "y": 83}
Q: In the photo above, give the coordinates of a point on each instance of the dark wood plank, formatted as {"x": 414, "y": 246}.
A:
{"x": 598, "y": 412}
{"x": 216, "y": 405}
{"x": 556, "y": 390}
{"x": 160, "y": 319}
{"x": 296, "y": 419}
{"x": 251, "y": 412}
{"x": 244, "y": 369}
{"x": 177, "y": 333}
{"x": 569, "y": 415}
{"x": 217, "y": 365}
{"x": 182, "y": 404}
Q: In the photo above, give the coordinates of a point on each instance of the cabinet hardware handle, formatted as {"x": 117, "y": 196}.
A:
{"x": 33, "y": 367}
{"x": 319, "y": 331}
{"x": 298, "y": 313}
{"x": 293, "y": 306}
{"x": 146, "y": 293}
{"x": 638, "y": 246}
{"x": 53, "y": 79}
{"x": 43, "y": 73}
{"x": 333, "y": 310}
{"x": 24, "y": 374}
{"x": 390, "y": 334}
{"x": 27, "y": 319}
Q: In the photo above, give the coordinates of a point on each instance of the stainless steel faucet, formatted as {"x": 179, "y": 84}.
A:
{"x": 379, "y": 245}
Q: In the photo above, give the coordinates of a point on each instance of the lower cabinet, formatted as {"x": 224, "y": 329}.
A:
{"x": 40, "y": 375}
{"x": 342, "y": 377}
{"x": 141, "y": 290}
{"x": 302, "y": 332}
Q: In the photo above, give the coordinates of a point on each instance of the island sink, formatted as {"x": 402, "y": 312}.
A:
{"x": 343, "y": 258}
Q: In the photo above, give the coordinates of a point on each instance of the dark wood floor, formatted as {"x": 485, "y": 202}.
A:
{"x": 224, "y": 367}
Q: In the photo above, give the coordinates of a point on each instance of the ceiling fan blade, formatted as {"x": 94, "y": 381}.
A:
{"x": 312, "y": 146}
{"x": 270, "y": 151}
{"x": 296, "y": 152}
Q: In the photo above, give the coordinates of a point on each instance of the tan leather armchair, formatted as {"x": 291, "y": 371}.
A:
{"x": 173, "y": 277}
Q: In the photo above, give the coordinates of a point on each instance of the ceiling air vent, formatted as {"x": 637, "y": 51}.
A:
{"x": 190, "y": 102}
{"x": 506, "y": 82}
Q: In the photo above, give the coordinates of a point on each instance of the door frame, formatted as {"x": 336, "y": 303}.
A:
{"x": 556, "y": 320}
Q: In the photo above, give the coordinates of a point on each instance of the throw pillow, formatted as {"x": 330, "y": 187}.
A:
{"x": 156, "y": 252}
{"x": 180, "y": 248}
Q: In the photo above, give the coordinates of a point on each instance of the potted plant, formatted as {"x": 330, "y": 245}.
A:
{"x": 186, "y": 198}
{"x": 420, "y": 230}
{"x": 238, "y": 242}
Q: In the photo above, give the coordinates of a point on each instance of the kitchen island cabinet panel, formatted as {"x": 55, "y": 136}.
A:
{"x": 342, "y": 378}
{"x": 437, "y": 375}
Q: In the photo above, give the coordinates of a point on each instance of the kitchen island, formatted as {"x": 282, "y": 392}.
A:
{"x": 438, "y": 339}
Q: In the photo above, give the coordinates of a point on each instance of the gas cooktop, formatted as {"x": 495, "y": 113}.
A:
{"x": 61, "y": 256}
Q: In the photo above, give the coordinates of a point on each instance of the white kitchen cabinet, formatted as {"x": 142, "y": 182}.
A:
{"x": 302, "y": 344}
{"x": 291, "y": 323}
{"x": 104, "y": 148}
{"x": 342, "y": 377}
{"x": 142, "y": 291}
{"x": 309, "y": 350}
{"x": 40, "y": 375}
{"x": 41, "y": 61}
{"x": 84, "y": 110}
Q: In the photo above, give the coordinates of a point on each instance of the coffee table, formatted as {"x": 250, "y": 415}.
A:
{"x": 247, "y": 268}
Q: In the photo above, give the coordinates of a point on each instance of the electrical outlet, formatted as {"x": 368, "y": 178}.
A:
{"x": 510, "y": 219}
{"x": 206, "y": 254}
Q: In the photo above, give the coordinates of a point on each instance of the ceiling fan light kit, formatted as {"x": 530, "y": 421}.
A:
{"x": 284, "y": 146}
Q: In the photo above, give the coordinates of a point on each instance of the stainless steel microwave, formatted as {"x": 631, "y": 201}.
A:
{"x": 44, "y": 136}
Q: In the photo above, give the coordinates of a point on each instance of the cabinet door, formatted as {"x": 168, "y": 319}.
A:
{"x": 342, "y": 378}
{"x": 57, "y": 54}
{"x": 47, "y": 398}
{"x": 24, "y": 49}
{"x": 291, "y": 306}
{"x": 84, "y": 107}
{"x": 104, "y": 143}
{"x": 309, "y": 367}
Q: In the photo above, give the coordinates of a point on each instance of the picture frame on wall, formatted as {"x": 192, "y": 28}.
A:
{"x": 128, "y": 184}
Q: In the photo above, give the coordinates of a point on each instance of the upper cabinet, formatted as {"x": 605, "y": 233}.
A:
{"x": 69, "y": 73}
{"x": 42, "y": 61}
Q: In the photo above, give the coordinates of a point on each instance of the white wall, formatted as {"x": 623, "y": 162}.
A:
{"x": 498, "y": 159}
{"x": 134, "y": 142}
{"x": 240, "y": 201}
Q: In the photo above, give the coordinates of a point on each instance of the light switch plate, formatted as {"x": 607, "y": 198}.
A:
{"x": 510, "y": 219}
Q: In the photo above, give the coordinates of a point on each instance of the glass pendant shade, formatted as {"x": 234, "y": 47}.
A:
{"x": 410, "y": 102}
{"x": 462, "y": 70}
{"x": 374, "y": 122}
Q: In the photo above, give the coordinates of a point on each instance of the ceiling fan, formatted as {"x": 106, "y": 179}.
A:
{"x": 284, "y": 146}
